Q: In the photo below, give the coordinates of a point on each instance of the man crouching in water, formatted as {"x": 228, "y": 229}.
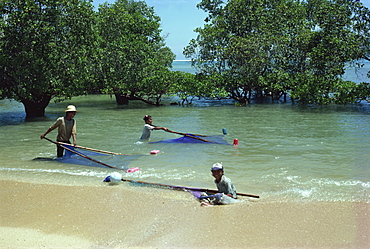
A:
{"x": 226, "y": 189}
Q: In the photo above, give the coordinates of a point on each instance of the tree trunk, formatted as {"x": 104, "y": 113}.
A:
{"x": 243, "y": 101}
{"x": 121, "y": 99}
{"x": 35, "y": 109}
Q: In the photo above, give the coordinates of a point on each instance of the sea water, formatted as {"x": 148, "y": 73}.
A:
{"x": 285, "y": 153}
{"x": 354, "y": 74}
{"x": 183, "y": 65}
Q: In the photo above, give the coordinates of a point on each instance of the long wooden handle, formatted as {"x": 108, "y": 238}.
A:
{"x": 184, "y": 134}
{"x": 215, "y": 191}
{"x": 188, "y": 135}
{"x": 96, "y": 150}
{"x": 186, "y": 188}
{"x": 73, "y": 151}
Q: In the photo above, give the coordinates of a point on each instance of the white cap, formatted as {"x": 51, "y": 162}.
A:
{"x": 217, "y": 166}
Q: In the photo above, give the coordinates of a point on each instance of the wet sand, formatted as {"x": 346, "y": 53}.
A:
{"x": 57, "y": 216}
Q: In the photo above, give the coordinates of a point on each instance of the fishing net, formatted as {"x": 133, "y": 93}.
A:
{"x": 215, "y": 199}
{"x": 91, "y": 158}
{"x": 191, "y": 138}
{"x": 201, "y": 194}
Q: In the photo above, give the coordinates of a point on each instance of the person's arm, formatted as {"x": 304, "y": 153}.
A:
{"x": 229, "y": 188}
{"x": 160, "y": 128}
{"x": 55, "y": 125}
{"x": 43, "y": 135}
{"x": 74, "y": 133}
{"x": 74, "y": 139}
{"x": 233, "y": 191}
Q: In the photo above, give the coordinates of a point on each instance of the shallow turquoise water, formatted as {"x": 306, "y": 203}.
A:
{"x": 285, "y": 152}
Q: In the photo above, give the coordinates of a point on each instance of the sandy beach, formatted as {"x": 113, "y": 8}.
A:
{"x": 58, "y": 216}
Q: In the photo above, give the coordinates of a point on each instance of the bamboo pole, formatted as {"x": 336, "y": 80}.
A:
{"x": 96, "y": 150}
{"x": 75, "y": 152}
{"x": 186, "y": 188}
{"x": 184, "y": 134}
{"x": 188, "y": 135}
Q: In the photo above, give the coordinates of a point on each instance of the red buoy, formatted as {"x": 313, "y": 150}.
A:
{"x": 236, "y": 142}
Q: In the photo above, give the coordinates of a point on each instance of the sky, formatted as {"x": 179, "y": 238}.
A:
{"x": 179, "y": 18}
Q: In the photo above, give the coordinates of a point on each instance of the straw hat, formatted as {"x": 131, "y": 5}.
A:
{"x": 71, "y": 108}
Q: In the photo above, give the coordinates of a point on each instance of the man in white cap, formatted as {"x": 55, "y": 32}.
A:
{"x": 226, "y": 189}
{"x": 223, "y": 183}
{"x": 66, "y": 129}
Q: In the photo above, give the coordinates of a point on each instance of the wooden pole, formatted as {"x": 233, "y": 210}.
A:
{"x": 186, "y": 188}
{"x": 184, "y": 134}
{"x": 188, "y": 135}
{"x": 73, "y": 151}
{"x": 96, "y": 150}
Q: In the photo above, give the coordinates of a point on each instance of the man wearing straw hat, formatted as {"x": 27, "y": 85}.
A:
{"x": 66, "y": 128}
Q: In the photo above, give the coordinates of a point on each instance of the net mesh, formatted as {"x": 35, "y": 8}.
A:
{"x": 91, "y": 158}
{"x": 191, "y": 138}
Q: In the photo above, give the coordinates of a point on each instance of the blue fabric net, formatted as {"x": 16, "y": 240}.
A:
{"x": 91, "y": 158}
{"x": 191, "y": 138}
